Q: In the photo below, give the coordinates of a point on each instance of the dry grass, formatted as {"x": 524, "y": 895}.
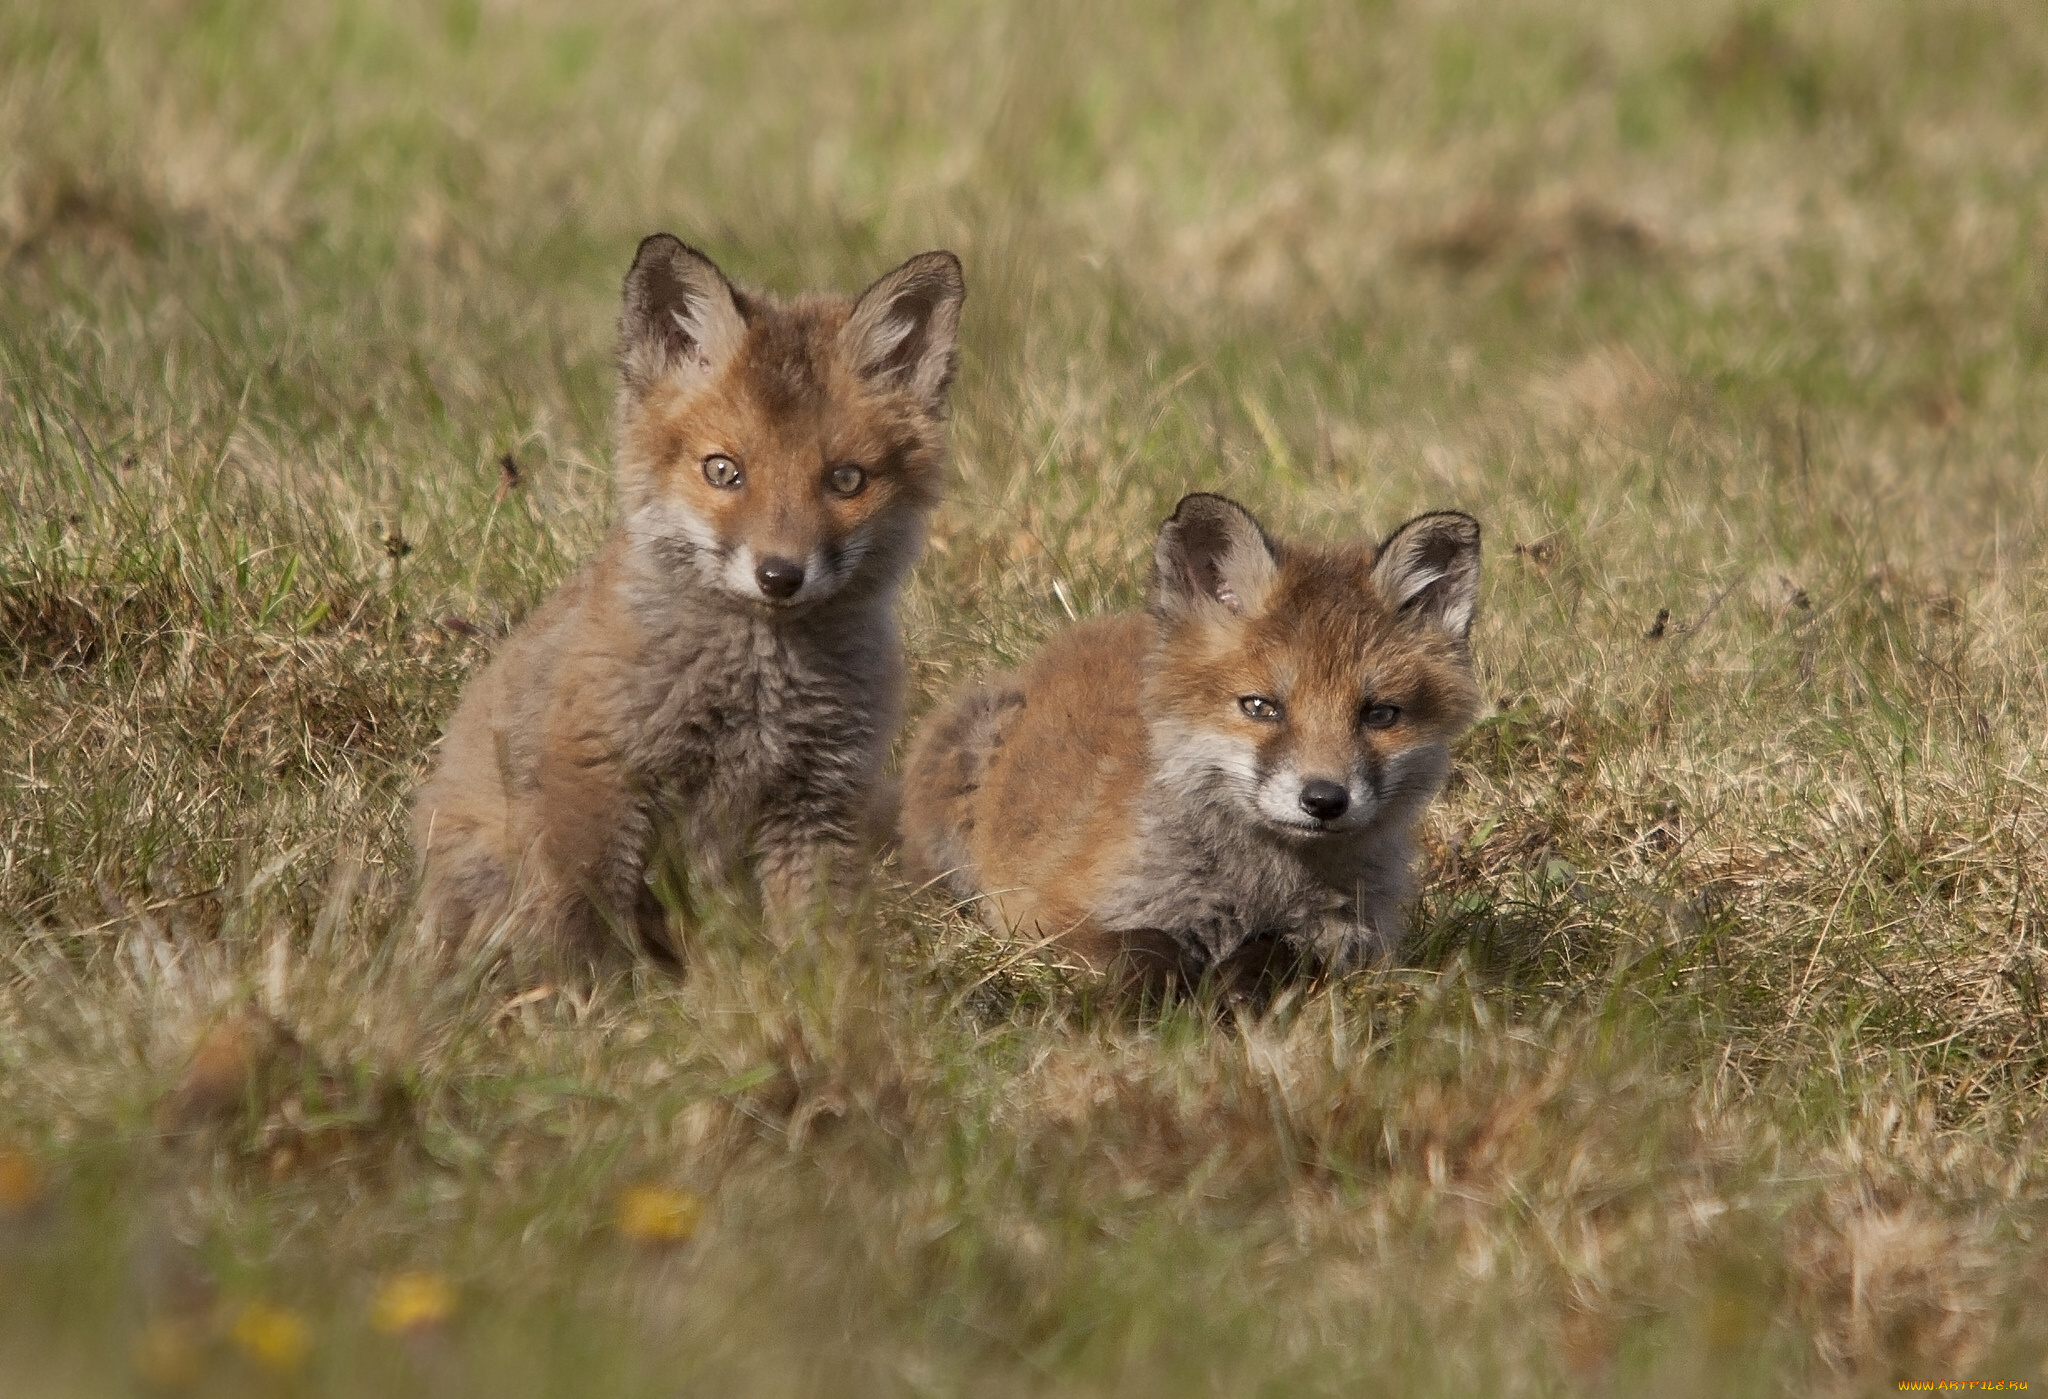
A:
{"x": 1717, "y": 1062}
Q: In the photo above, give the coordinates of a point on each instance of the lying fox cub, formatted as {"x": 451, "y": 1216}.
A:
{"x": 1238, "y": 773}
{"x": 725, "y": 676}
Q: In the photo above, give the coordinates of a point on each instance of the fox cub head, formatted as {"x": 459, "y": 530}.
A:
{"x": 780, "y": 450}
{"x": 1315, "y": 691}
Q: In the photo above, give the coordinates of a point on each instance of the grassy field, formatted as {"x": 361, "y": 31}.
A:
{"x": 1716, "y": 1065}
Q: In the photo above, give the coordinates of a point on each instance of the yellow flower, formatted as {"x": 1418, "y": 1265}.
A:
{"x": 168, "y": 1356}
{"x": 274, "y": 1338}
{"x": 21, "y": 1181}
{"x": 655, "y": 1214}
{"x": 411, "y": 1301}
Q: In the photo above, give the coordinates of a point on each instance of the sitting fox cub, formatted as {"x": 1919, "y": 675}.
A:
{"x": 1238, "y": 773}
{"x": 725, "y": 675}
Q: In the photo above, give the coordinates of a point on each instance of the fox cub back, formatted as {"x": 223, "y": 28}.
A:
{"x": 722, "y": 681}
{"x": 1237, "y": 772}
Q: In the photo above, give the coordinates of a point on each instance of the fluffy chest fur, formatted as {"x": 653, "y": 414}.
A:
{"x": 1200, "y": 873}
{"x": 729, "y": 705}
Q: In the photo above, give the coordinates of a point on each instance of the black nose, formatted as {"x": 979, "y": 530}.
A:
{"x": 1325, "y": 801}
{"x": 780, "y": 578}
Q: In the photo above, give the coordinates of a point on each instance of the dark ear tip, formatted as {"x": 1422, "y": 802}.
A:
{"x": 668, "y": 249}
{"x": 1454, "y": 525}
{"x": 1202, "y": 519}
{"x": 1463, "y": 526}
{"x": 657, "y": 247}
{"x": 942, "y": 266}
{"x": 1204, "y": 511}
{"x": 1204, "y": 505}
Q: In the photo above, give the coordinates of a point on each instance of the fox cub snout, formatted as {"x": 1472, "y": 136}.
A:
{"x": 723, "y": 679}
{"x": 1241, "y": 767}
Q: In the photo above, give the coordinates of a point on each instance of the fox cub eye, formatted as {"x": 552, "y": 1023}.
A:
{"x": 1259, "y": 707}
{"x": 723, "y": 472}
{"x": 1382, "y": 716}
{"x": 847, "y": 480}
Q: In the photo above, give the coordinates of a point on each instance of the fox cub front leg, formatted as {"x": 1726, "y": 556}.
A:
{"x": 1346, "y": 941}
{"x": 808, "y": 843}
{"x": 1368, "y": 922}
{"x": 593, "y": 825}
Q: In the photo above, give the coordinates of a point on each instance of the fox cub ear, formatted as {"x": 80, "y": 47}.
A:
{"x": 905, "y": 329}
{"x": 1429, "y": 569}
{"x": 678, "y": 316}
{"x": 1212, "y": 551}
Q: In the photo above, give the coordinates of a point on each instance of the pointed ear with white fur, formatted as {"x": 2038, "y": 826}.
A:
{"x": 678, "y": 319}
{"x": 1212, "y": 553}
{"x": 1429, "y": 570}
{"x": 905, "y": 329}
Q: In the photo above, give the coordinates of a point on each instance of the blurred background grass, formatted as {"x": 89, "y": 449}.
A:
{"x": 1718, "y": 1058}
